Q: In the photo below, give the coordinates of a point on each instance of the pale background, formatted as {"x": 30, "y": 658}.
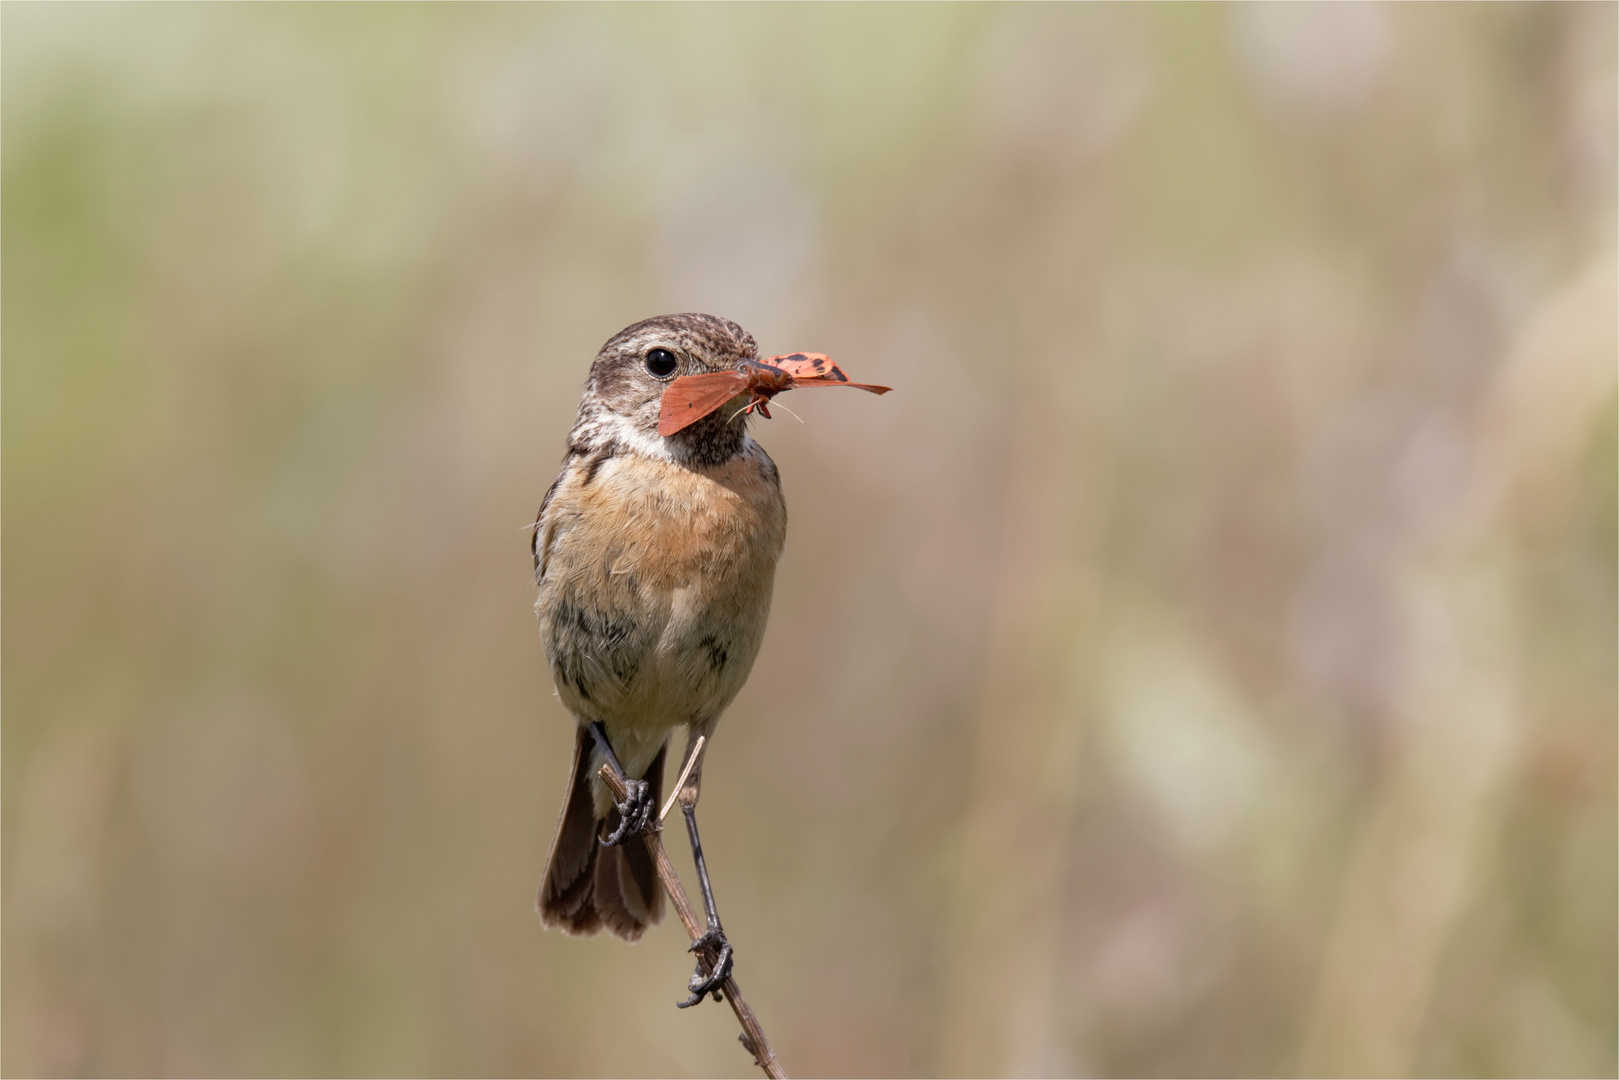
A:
{"x": 1202, "y": 663}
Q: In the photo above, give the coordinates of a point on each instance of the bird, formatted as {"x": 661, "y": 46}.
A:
{"x": 655, "y": 558}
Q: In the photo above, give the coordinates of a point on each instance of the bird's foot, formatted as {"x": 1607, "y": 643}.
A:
{"x": 713, "y": 966}
{"x": 634, "y": 812}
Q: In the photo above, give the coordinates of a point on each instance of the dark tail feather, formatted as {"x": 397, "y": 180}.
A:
{"x": 565, "y": 892}
{"x": 628, "y": 895}
{"x": 586, "y": 885}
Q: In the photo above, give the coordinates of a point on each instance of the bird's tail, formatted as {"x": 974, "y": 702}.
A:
{"x": 587, "y": 886}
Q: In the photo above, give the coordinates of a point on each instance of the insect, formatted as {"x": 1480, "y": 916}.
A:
{"x": 692, "y": 397}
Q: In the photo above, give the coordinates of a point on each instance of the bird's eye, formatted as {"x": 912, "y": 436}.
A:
{"x": 661, "y": 363}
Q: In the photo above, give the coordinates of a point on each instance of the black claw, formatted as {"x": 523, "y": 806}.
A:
{"x": 714, "y": 956}
{"x": 634, "y": 813}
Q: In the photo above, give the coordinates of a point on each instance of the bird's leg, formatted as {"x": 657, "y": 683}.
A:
{"x": 635, "y": 812}
{"x": 713, "y": 950}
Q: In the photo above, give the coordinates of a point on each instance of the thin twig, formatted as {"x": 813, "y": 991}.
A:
{"x": 685, "y": 774}
{"x": 753, "y": 1036}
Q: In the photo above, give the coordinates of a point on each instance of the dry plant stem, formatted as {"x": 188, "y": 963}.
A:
{"x": 753, "y": 1036}
{"x": 692, "y": 759}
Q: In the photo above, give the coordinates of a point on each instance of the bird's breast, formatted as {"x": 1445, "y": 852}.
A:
{"x": 655, "y": 585}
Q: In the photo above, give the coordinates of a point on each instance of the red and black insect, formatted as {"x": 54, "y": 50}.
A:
{"x": 692, "y": 397}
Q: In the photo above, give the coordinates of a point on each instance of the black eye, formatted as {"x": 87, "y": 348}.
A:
{"x": 661, "y": 363}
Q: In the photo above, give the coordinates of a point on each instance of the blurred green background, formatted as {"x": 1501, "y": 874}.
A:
{"x": 1203, "y": 663}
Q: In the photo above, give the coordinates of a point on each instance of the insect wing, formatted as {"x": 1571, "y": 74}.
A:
{"x": 809, "y": 365}
{"x": 691, "y": 397}
{"x": 799, "y": 384}
{"x": 817, "y": 369}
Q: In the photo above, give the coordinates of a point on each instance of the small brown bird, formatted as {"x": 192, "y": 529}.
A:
{"x": 655, "y": 558}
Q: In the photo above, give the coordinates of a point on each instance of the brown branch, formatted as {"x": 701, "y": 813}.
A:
{"x": 753, "y": 1037}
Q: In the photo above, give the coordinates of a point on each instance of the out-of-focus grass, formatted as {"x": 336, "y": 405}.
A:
{"x": 1202, "y": 664}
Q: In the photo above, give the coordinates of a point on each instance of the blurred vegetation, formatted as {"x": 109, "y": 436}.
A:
{"x": 1203, "y": 663}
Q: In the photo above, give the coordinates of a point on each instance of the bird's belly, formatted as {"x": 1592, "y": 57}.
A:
{"x": 635, "y": 656}
{"x": 655, "y": 596}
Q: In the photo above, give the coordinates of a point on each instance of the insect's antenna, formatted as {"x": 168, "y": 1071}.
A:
{"x": 790, "y": 412}
{"x": 740, "y": 411}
